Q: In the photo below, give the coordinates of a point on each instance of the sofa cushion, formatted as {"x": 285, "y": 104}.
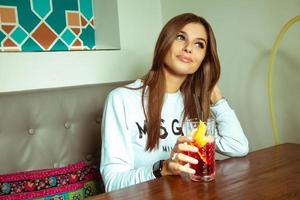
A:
{"x": 51, "y": 128}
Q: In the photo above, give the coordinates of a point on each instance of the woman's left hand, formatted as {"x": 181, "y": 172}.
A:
{"x": 216, "y": 95}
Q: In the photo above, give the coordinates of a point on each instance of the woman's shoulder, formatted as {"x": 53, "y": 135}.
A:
{"x": 127, "y": 90}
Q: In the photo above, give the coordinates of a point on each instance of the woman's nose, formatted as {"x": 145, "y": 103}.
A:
{"x": 187, "y": 48}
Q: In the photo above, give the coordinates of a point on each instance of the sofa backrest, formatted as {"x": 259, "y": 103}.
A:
{"x": 51, "y": 128}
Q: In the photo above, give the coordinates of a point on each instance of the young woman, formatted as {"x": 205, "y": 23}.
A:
{"x": 141, "y": 134}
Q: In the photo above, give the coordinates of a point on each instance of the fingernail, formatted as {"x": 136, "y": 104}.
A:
{"x": 193, "y": 171}
{"x": 195, "y": 149}
{"x": 195, "y": 161}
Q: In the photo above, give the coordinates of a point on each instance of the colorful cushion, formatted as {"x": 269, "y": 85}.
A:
{"x": 76, "y": 181}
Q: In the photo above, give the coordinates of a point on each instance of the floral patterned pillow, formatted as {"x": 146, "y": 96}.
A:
{"x": 76, "y": 181}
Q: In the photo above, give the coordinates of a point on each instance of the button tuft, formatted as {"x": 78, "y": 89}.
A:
{"x": 67, "y": 125}
{"x": 89, "y": 157}
{"x": 31, "y": 131}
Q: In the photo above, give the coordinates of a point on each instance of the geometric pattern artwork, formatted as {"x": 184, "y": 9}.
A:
{"x": 47, "y": 25}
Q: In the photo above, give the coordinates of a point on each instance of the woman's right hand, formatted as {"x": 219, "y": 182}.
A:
{"x": 179, "y": 158}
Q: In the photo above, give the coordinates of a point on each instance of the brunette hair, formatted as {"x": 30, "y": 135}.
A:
{"x": 201, "y": 83}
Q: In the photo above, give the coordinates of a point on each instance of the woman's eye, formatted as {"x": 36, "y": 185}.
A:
{"x": 180, "y": 37}
{"x": 200, "y": 45}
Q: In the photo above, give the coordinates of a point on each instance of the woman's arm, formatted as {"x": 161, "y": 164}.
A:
{"x": 117, "y": 157}
{"x": 230, "y": 137}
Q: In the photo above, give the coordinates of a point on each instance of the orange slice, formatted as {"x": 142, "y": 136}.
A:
{"x": 202, "y": 157}
{"x": 199, "y": 137}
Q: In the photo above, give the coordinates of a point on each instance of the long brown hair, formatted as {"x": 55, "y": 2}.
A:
{"x": 201, "y": 83}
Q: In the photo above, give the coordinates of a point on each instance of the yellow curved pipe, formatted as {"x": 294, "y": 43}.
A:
{"x": 270, "y": 77}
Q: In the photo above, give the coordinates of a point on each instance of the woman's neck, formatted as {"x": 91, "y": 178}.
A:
{"x": 173, "y": 82}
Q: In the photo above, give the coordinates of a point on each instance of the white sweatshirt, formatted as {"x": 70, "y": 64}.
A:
{"x": 125, "y": 162}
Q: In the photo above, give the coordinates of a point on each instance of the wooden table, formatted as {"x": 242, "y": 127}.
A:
{"x": 271, "y": 173}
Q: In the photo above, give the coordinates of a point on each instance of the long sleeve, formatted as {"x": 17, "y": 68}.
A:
{"x": 117, "y": 156}
{"x": 230, "y": 138}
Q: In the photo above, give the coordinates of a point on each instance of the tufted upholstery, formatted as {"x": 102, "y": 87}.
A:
{"x": 51, "y": 128}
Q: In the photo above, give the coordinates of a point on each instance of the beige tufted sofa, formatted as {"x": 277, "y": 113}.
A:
{"x": 51, "y": 128}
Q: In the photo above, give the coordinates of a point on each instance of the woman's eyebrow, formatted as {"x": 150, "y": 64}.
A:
{"x": 199, "y": 38}
{"x": 202, "y": 39}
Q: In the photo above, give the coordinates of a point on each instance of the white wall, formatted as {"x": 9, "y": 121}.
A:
{"x": 245, "y": 32}
{"x": 139, "y": 24}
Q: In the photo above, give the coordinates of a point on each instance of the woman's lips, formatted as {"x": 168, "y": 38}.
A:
{"x": 184, "y": 59}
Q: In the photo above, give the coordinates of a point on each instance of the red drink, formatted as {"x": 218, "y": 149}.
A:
{"x": 205, "y": 169}
{"x": 203, "y": 137}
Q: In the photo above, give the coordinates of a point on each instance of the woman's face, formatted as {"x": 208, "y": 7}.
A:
{"x": 187, "y": 51}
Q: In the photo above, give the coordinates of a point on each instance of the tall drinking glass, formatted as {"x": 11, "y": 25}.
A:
{"x": 206, "y": 168}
